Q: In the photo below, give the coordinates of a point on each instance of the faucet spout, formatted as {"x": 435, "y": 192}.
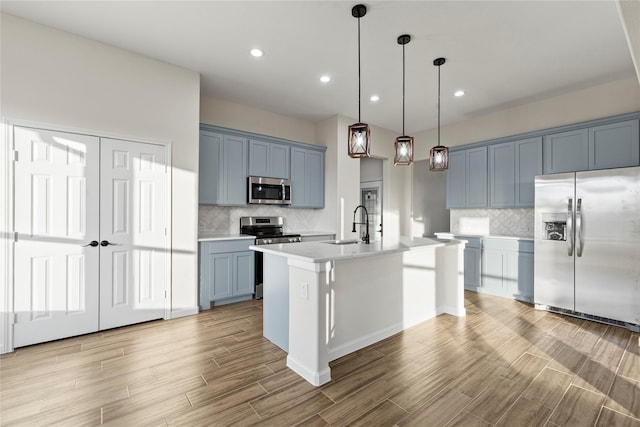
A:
{"x": 365, "y": 239}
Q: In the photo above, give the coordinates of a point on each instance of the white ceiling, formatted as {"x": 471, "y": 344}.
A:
{"x": 502, "y": 53}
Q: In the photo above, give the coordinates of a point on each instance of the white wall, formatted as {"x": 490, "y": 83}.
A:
{"x": 630, "y": 16}
{"x": 53, "y": 77}
{"x": 608, "y": 99}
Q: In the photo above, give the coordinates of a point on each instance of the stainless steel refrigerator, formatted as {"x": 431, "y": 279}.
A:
{"x": 587, "y": 244}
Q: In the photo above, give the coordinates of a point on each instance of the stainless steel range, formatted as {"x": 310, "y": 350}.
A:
{"x": 268, "y": 230}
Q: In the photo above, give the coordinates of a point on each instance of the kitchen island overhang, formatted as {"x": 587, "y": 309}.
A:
{"x": 343, "y": 298}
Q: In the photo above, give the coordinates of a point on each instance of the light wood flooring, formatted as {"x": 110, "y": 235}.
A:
{"x": 503, "y": 364}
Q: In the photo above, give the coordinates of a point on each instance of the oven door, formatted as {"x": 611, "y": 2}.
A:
{"x": 271, "y": 191}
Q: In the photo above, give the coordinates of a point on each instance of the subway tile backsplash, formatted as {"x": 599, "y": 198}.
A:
{"x": 226, "y": 219}
{"x": 509, "y": 222}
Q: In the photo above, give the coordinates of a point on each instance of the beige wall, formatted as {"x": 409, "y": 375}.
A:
{"x": 630, "y": 17}
{"x": 235, "y": 116}
{"x": 52, "y": 77}
{"x": 609, "y": 99}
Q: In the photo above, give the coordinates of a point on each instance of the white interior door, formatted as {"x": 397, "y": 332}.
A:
{"x": 133, "y": 248}
{"x": 56, "y": 201}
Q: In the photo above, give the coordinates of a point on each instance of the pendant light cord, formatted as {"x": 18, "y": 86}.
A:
{"x": 359, "y": 84}
{"x": 403, "y": 134}
{"x": 438, "y": 105}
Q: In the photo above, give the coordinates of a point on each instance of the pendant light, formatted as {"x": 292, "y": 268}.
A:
{"x": 359, "y": 133}
{"x": 439, "y": 155}
{"x": 403, "y": 146}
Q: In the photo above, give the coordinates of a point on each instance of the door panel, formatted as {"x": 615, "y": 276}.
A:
{"x": 56, "y": 214}
{"x": 553, "y": 265}
{"x": 133, "y": 222}
{"x": 608, "y": 267}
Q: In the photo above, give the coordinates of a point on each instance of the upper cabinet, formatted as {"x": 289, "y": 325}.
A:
{"x": 223, "y": 169}
{"x": 612, "y": 145}
{"x": 501, "y": 173}
{"x": 228, "y": 157}
{"x": 307, "y": 178}
{"x": 512, "y": 170}
{"x": 269, "y": 159}
{"x": 467, "y": 179}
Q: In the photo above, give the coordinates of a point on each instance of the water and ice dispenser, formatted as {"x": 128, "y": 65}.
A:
{"x": 554, "y": 227}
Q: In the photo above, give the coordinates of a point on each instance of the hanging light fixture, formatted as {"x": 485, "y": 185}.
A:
{"x": 403, "y": 146}
{"x": 439, "y": 155}
{"x": 359, "y": 133}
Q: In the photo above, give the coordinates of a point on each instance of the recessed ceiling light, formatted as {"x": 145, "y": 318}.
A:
{"x": 325, "y": 79}
{"x": 459, "y": 93}
{"x": 256, "y": 52}
{"x": 374, "y": 98}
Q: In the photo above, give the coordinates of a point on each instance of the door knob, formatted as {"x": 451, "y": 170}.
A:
{"x": 93, "y": 244}
{"x": 106, "y": 243}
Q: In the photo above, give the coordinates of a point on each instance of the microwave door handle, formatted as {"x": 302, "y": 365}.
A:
{"x": 570, "y": 228}
{"x": 283, "y": 191}
{"x": 579, "y": 242}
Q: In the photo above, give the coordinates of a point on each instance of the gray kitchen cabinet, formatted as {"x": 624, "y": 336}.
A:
{"x": 476, "y": 178}
{"x": 507, "y": 268}
{"x": 566, "y": 151}
{"x": 472, "y": 263}
{"x": 269, "y": 159}
{"x": 512, "y": 170}
{"x": 467, "y": 179}
{"x": 223, "y": 169}
{"x": 307, "y": 178}
{"x": 226, "y": 272}
{"x": 456, "y": 176}
{"x": 614, "y": 145}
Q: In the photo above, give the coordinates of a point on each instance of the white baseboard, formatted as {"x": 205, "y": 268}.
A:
{"x": 351, "y": 346}
{"x": 183, "y": 313}
{"x": 315, "y": 378}
{"x": 454, "y": 311}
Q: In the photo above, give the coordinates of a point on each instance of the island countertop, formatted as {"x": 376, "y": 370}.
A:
{"x": 317, "y": 252}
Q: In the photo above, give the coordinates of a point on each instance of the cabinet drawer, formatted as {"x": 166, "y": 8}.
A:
{"x": 222, "y": 246}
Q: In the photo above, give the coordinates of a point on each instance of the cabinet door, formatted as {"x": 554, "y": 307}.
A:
{"x": 279, "y": 161}
{"x": 502, "y": 175}
{"x": 209, "y": 174}
{"x": 221, "y": 276}
{"x": 258, "y": 158}
{"x": 314, "y": 186}
{"x": 456, "y": 180}
{"x": 528, "y": 156}
{"x": 244, "y": 273}
{"x": 524, "y": 278}
{"x": 614, "y": 145}
{"x": 298, "y": 177}
{"x": 493, "y": 267}
{"x": 472, "y": 265}
{"x": 476, "y": 178}
{"x": 233, "y": 183}
{"x": 566, "y": 151}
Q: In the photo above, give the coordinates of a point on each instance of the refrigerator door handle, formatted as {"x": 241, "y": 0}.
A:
{"x": 579, "y": 242}
{"x": 570, "y": 228}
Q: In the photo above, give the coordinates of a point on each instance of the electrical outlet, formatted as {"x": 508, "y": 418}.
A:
{"x": 304, "y": 291}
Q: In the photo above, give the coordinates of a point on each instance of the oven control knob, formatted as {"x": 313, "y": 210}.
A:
{"x": 269, "y": 240}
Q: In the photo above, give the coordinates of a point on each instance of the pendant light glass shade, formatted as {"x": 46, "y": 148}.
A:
{"x": 439, "y": 155}
{"x": 403, "y": 146}
{"x": 359, "y": 142}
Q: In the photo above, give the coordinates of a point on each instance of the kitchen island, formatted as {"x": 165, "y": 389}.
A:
{"x": 324, "y": 300}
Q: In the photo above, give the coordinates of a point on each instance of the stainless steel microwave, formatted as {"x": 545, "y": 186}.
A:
{"x": 269, "y": 191}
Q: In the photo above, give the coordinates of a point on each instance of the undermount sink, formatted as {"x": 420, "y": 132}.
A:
{"x": 342, "y": 242}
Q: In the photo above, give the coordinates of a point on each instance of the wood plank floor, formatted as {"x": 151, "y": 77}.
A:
{"x": 503, "y": 364}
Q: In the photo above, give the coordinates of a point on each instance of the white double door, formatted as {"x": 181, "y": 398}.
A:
{"x": 91, "y": 248}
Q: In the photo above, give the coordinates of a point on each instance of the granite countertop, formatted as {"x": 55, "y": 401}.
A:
{"x": 449, "y": 235}
{"x": 317, "y": 252}
{"x": 204, "y": 236}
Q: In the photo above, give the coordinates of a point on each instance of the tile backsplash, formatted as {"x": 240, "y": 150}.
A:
{"x": 509, "y": 222}
{"x": 226, "y": 219}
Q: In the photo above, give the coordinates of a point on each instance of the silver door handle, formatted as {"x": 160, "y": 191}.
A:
{"x": 570, "y": 228}
{"x": 579, "y": 243}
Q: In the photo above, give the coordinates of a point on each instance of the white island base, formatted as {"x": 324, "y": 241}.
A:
{"x": 346, "y": 298}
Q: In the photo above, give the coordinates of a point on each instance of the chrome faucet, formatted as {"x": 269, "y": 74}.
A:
{"x": 365, "y": 239}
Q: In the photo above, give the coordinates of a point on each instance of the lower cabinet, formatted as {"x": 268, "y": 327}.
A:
{"x": 507, "y": 268}
{"x": 473, "y": 263}
{"x": 226, "y": 272}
